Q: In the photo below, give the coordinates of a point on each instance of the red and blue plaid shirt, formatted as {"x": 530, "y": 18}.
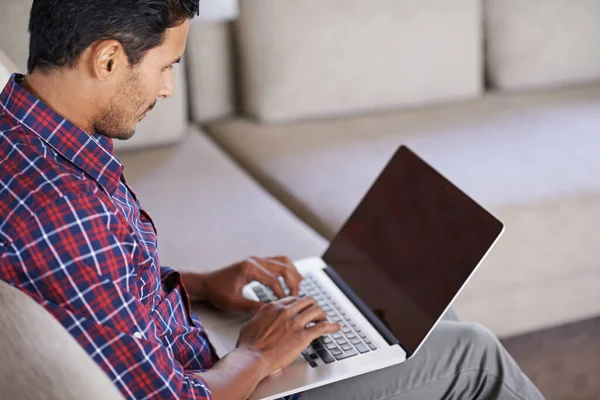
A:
{"x": 74, "y": 237}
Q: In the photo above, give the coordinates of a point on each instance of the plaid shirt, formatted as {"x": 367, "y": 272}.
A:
{"x": 74, "y": 237}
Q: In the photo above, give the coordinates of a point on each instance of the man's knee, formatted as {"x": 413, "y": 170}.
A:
{"x": 477, "y": 333}
{"x": 477, "y": 338}
{"x": 480, "y": 359}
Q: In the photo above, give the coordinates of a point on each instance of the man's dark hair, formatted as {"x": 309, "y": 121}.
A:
{"x": 60, "y": 30}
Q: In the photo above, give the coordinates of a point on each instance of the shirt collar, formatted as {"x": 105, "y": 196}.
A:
{"x": 93, "y": 154}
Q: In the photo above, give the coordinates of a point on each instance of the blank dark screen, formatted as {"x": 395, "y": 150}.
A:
{"x": 410, "y": 245}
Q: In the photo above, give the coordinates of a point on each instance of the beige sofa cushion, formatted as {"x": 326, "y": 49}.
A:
{"x": 542, "y": 43}
{"x": 208, "y": 212}
{"x": 532, "y": 159}
{"x": 14, "y": 37}
{"x": 313, "y": 58}
{"x": 39, "y": 360}
{"x": 7, "y": 68}
{"x": 210, "y": 71}
{"x": 217, "y": 10}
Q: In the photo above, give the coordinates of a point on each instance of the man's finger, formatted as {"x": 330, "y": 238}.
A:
{"x": 284, "y": 267}
{"x": 266, "y": 277}
{"x": 286, "y": 301}
{"x": 301, "y": 305}
{"x": 320, "y": 329}
{"x": 311, "y": 314}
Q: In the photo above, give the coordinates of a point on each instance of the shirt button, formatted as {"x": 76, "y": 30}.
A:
{"x": 138, "y": 335}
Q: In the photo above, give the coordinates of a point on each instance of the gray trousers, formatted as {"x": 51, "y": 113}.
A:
{"x": 459, "y": 360}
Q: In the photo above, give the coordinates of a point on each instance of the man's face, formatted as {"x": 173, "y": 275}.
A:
{"x": 139, "y": 87}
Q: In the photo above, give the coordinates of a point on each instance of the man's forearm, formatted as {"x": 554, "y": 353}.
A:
{"x": 236, "y": 375}
{"x": 194, "y": 285}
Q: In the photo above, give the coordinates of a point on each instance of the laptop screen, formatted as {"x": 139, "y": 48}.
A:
{"x": 409, "y": 247}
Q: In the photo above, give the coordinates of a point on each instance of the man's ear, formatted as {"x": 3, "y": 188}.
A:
{"x": 106, "y": 58}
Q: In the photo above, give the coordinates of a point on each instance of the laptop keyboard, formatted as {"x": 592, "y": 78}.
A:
{"x": 346, "y": 343}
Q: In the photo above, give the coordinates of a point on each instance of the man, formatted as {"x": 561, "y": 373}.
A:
{"x": 74, "y": 238}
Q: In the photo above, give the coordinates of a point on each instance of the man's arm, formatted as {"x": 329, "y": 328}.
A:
{"x": 223, "y": 288}
{"x": 74, "y": 257}
{"x": 269, "y": 342}
{"x": 194, "y": 284}
{"x": 236, "y": 375}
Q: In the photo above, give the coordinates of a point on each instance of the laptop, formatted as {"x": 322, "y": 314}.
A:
{"x": 388, "y": 276}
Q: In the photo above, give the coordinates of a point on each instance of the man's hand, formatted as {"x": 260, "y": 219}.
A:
{"x": 278, "y": 332}
{"x": 269, "y": 342}
{"x": 223, "y": 288}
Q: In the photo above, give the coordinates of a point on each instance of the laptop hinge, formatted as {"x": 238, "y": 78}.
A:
{"x": 362, "y": 307}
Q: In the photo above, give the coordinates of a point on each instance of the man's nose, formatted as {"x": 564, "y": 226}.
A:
{"x": 167, "y": 87}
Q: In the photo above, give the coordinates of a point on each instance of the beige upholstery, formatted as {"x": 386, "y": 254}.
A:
{"x": 542, "y": 43}
{"x": 7, "y": 68}
{"x": 208, "y": 212}
{"x": 39, "y": 358}
{"x": 217, "y": 10}
{"x": 532, "y": 159}
{"x": 544, "y": 271}
{"x": 314, "y": 58}
{"x": 211, "y": 71}
{"x": 14, "y": 37}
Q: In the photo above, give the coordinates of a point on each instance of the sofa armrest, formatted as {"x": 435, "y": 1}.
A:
{"x": 39, "y": 359}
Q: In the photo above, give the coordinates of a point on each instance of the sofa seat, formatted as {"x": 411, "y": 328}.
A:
{"x": 208, "y": 212}
{"x": 532, "y": 159}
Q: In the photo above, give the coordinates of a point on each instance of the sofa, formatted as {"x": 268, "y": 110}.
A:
{"x": 502, "y": 96}
{"x": 284, "y": 115}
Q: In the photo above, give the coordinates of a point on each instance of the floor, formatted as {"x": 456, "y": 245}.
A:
{"x": 564, "y": 362}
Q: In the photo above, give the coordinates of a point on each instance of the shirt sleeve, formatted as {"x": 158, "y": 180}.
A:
{"x": 165, "y": 272}
{"x": 74, "y": 258}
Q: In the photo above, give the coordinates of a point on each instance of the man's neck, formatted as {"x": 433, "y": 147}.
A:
{"x": 55, "y": 89}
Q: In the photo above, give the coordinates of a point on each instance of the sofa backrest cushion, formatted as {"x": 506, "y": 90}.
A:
{"x": 211, "y": 72}
{"x": 39, "y": 359}
{"x": 14, "y": 37}
{"x": 315, "y": 58}
{"x": 7, "y": 68}
{"x": 542, "y": 43}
